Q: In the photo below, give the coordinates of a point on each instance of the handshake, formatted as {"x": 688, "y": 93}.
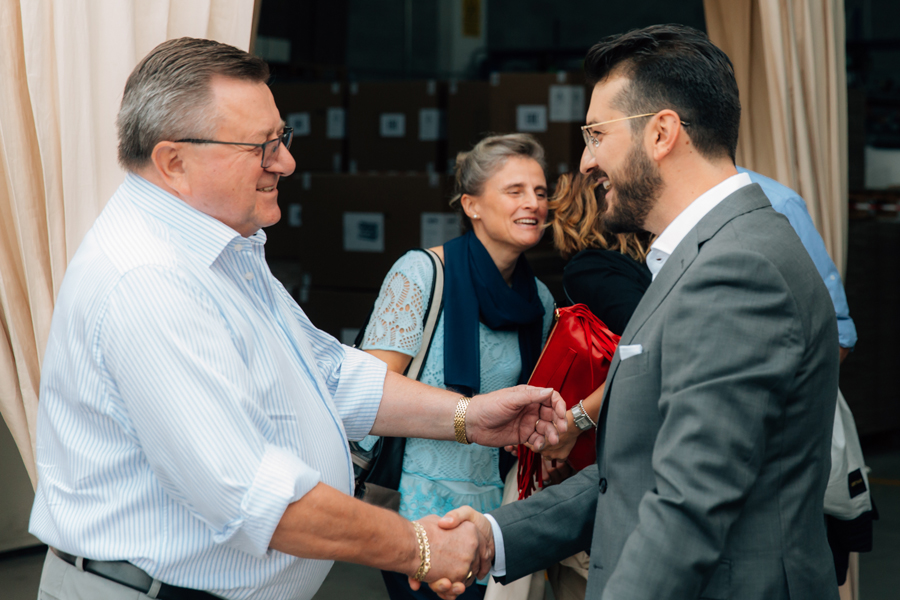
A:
{"x": 461, "y": 547}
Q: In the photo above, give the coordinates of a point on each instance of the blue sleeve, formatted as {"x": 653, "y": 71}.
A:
{"x": 787, "y": 202}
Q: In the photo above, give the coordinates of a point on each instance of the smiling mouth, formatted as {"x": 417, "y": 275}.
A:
{"x": 526, "y": 222}
{"x": 266, "y": 189}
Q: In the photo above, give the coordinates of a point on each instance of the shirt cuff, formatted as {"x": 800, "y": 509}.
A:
{"x": 359, "y": 392}
{"x": 499, "y": 568}
{"x": 281, "y": 479}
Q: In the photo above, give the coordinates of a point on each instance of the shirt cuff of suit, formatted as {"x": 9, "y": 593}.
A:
{"x": 499, "y": 568}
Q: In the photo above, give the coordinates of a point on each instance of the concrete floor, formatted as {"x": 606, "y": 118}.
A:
{"x": 20, "y": 571}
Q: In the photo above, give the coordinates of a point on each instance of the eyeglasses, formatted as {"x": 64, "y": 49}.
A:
{"x": 592, "y": 142}
{"x": 269, "y": 148}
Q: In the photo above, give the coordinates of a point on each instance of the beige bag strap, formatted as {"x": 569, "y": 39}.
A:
{"x": 432, "y": 314}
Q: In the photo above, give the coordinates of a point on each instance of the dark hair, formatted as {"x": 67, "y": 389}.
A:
{"x": 168, "y": 96}
{"x": 475, "y": 167}
{"x": 675, "y": 67}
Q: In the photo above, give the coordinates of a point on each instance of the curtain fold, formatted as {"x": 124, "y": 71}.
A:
{"x": 790, "y": 63}
{"x": 63, "y": 66}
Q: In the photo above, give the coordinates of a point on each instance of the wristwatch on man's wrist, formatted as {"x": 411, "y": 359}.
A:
{"x": 582, "y": 420}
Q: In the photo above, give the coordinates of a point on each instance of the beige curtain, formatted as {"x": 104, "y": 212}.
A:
{"x": 63, "y": 65}
{"x": 789, "y": 59}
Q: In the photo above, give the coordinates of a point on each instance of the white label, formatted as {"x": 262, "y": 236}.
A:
{"x": 294, "y": 215}
{"x": 393, "y": 125}
{"x": 300, "y": 122}
{"x": 348, "y": 335}
{"x": 437, "y": 228}
{"x": 431, "y": 124}
{"x": 432, "y": 87}
{"x": 352, "y": 167}
{"x": 354, "y": 88}
{"x": 363, "y": 232}
{"x": 334, "y": 128}
{"x": 337, "y": 162}
{"x": 531, "y": 118}
{"x": 566, "y": 103}
{"x": 306, "y": 180}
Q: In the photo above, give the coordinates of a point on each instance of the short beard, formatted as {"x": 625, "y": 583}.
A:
{"x": 637, "y": 189}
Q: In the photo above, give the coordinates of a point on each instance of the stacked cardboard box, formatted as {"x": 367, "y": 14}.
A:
{"x": 347, "y": 230}
{"x": 550, "y": 106}
{"x": 317, "y": 113}
{"x": 397, "y": 126}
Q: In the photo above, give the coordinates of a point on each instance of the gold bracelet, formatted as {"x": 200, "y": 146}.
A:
{"x": 424, "y": 552}
{"x": 459, "y": 420}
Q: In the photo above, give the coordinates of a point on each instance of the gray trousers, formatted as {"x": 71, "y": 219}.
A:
{"x": 62, "y": 581}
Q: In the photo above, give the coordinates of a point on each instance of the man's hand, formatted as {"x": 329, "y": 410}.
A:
{"x": 449, "y": 588}
{"x": 455, "y": 553}
{"x": 567, "y": 439}
{"x": 517, "y": 415}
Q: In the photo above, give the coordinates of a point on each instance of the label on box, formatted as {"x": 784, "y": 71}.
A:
{"x": 363, "y": 232}
{"x": 437, "y": 228}
{"x": 531, "y": 118}
{"x": 348, "y": 335}
{"x": 393, "y": 125}
{"x": 300, "y": 122}
{"x": 294, "y": 215}
{"x": 334, "y": 127}
{"x": 566, "y": 103}
{"x": 431, "y": 124}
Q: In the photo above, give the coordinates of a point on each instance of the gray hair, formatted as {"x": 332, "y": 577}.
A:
{"x": 168, "y": 94}
{"x": 475, "y": 167}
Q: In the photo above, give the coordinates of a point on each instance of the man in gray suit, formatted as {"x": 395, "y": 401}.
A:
{"x": 713, "y": 449}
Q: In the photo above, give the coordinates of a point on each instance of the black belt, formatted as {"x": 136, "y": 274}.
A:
{"x": 125, "y": 573}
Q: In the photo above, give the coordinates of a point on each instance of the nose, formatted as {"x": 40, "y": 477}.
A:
{"x": 284, "y": 164}
{"x": 588, "y": 162}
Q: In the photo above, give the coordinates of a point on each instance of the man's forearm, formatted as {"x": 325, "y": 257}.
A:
{"x": 412, "y": 409}
{"x": 329, "y": 525}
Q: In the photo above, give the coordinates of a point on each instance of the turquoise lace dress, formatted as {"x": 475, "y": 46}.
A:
{"x": 440, "y": 476}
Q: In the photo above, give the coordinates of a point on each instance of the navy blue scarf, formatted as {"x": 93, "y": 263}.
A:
{"x": 474, "y": 289}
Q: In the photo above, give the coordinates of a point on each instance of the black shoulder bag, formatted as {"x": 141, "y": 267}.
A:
{"x": 377, "y": 471}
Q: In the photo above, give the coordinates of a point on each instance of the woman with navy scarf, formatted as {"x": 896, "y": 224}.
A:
{"x": 494, "y": 322}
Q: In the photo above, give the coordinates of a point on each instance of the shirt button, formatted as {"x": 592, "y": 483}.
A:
{"x": 248, "y": 275}
{"x": 238, "y": 248}
{"x": 603, "y": 485}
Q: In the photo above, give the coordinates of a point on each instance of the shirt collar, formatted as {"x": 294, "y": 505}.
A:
{"x": 668, "y": 240}
{"x": 200, "y": 233}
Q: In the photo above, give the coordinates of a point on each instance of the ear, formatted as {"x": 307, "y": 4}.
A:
{"x": 168, "y": 161}
{"x": 470, "y": 205}
{"x": 665, "y": 132}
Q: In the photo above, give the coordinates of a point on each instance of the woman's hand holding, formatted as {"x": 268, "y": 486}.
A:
{"x": 567, "y": 439}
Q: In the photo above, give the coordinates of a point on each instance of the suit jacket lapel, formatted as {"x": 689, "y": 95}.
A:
{"x": 742, "y": 201}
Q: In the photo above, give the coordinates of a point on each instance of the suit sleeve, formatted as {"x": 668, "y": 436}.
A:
{"x": 549, "y": 526}
{"x": 730, "y": 345}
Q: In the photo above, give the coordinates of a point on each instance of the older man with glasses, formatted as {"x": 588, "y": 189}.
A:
{"x": 193, "y": 423}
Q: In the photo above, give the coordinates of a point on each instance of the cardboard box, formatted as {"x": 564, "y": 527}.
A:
{"x": 317, "y": 113}
{"x": 397, "y": 126}
{"x": 550, "y": 106}
{"x": 347, "y": 230}
{"x": 468, "y": 117}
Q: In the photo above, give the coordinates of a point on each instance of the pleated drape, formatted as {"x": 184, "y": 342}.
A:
{"x": 63, "y": 65}
{"x": 790, "y": 64}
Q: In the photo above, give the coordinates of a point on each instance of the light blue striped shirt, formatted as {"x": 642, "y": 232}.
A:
{"x": 186, "y": 400}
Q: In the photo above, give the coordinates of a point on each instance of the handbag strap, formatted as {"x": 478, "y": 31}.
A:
{"x": 432, "y": 314}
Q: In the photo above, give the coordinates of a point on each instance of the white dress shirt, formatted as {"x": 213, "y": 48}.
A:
{"x": 660, "y": 251}
{"x": 663, "y": 247}
{"x": 186, "y": 400}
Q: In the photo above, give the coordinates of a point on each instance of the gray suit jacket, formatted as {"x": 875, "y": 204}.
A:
{"x": 713, "y": 453}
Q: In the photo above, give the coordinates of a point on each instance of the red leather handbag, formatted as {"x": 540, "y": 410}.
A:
{"x": 574, "y": 362}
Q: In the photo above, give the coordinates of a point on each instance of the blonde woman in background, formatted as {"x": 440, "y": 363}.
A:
{"x": 494, "y": 322}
